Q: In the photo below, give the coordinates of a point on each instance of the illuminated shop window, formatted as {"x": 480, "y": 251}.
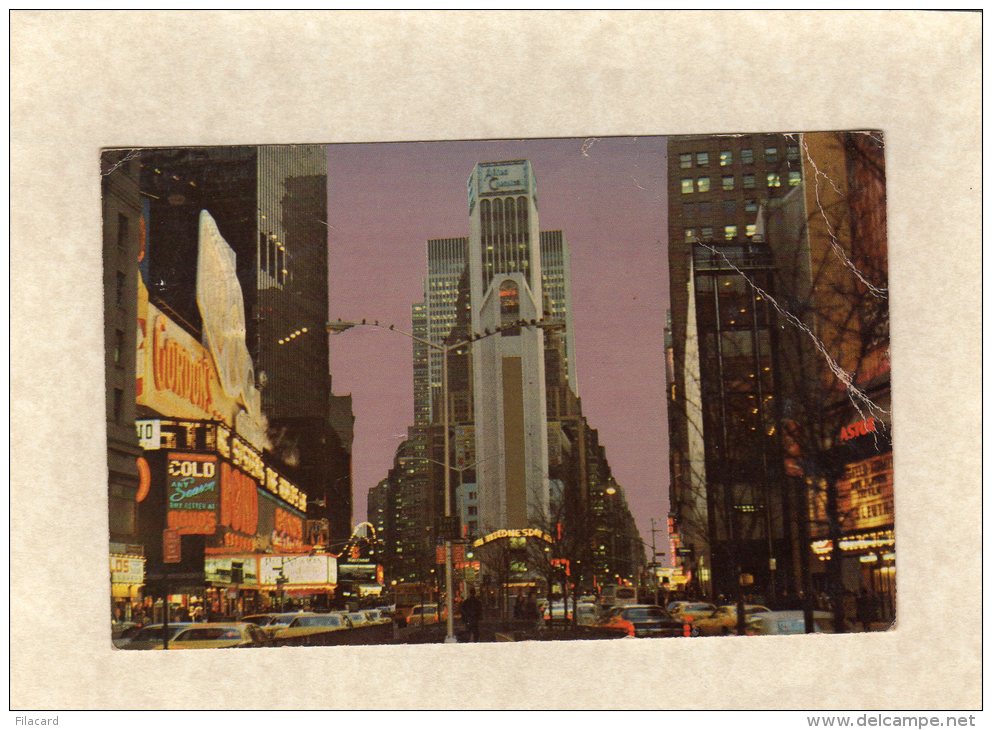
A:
{"x": 686, "y": 185}
{"x": 703, "y": 184}
{"x": 726, "y": 158}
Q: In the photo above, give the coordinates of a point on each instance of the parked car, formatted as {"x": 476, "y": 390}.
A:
{"x": 121, "y": 632}
{"x": 642, "y": 621}
{"x": 788, "y": 622}
{"x": 377, "y": 616}
{"x": 271, "y": 623}
{"x": 313, "y": 623}
{"x": 723, "y": 621}
{"x": 358, "y": 618}
{"x": 219, "y": 636}
{"x": 152, "y": 636}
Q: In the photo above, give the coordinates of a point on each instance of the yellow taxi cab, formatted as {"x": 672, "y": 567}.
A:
{"x": 723, "y": 621}
{"x": 218, "y": 636}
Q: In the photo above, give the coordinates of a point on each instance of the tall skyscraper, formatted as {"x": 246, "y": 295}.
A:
{"x": 508, "y": 369}
{"x": 446, "y": 260}
{"x": 556, "y": 277}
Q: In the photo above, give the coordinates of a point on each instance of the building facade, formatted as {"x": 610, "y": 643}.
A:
{"x": 508, "y": 369}
{"x": 269, "y": 204}
{"x": 122, "y": 251}
{"x": 727, "y": 489}
{"x": 779, "y": 406}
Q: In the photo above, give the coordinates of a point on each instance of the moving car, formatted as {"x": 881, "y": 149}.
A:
{"x": 694, "y": 610}
{"x": 152, "y": 636}
{"x": 423, "y": 615}
{"x": 219, "y": 636}
{"x": 558, "y": 611}
{"x": 642, "y": 620}
{"x": 618, "y": 596}
{"x": 587, "y": 614}
{"x": 723, "y": 621}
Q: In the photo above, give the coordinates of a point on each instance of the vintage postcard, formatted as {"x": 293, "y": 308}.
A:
{"x": 599, "y": 388}
{"x": 498, "y": 359}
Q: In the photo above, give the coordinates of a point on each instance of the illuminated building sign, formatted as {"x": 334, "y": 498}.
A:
{"x": 176, "y": 376}
{"x": 858, "y": 428}
{"x": 288, "y": 529}
{"x": 192, "y": 493}
{"x": 127, "y": 569}
{"x": 503, "y": 178}
{"x": 865, "y": 497}
{"x": 519, "y": 533}
{"x": 238, "y": 507}
{"x": 297, "y": 570}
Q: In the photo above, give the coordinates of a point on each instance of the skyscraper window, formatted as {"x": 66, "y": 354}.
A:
{"x": 686, "y": 185}
{"x": 728, "y": 182}
{"x": 685, "y": 161}
{"x": 774, "y": 180}
{"x": 730, "y": 233}
{"x": 795, "y": 177}
{"x": 771, "y": 154}
{"x": 747, "y": 157}
{"x": 702, "y": 159}
{"x": 703, "y": 184}
{"x": 726, "y": 158}
{"x": 748, "y": 180}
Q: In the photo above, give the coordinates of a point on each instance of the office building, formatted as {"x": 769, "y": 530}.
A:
{"x": 725, "y": 379}
{"x": 508, "y": 369}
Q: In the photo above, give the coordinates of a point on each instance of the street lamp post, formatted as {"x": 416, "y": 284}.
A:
{"x": 341, "y": 326}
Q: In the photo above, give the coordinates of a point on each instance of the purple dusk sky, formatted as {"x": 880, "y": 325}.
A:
{"x": 608, "y": 195}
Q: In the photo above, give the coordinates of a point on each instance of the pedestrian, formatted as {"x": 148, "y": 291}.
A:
{"x": 530, "y": 610}
{"x": 471, "y": 609}
{"x": 519, "y": 606}
{"x": 866, "y": 609}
